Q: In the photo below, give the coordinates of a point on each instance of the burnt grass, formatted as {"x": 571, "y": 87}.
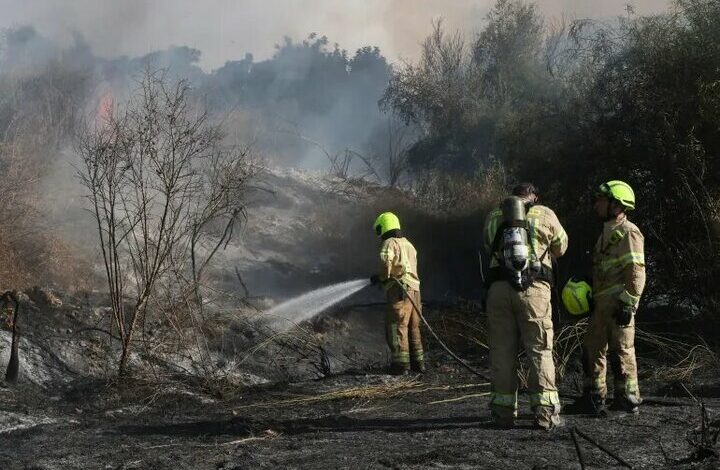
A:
{"x": 440, "y": 421}
{"x": 99, "y": 429}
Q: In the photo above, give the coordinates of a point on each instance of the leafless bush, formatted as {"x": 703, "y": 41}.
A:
{"x": 391, "y": 149}
{"x": 165, "y": 194}
{"x": 450, "y": 194}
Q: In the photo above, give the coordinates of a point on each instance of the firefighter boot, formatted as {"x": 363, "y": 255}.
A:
{"x": 399, "y": 368}
{"x": 623, "y": 402}
{"x": 503, "y": 419}
{"x": 418, "y": 366}
{"x": 588, "y": 404}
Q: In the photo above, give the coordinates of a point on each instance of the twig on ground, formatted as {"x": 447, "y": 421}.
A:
{"x": 238, "y": 441}
{"x": 464, "y": 397}
{"x": 367, "y": 393}
{"x": 602, "y": 448}
{"x": 690, "y": 393}
{"x": 373, "y": 391}
{"x": 581, "y": 458}
{"x": 233, "y": 442}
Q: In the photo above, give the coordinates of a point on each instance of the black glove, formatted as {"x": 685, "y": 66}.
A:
{"x": 375, "y": 279}
{"x": 624, "y": 315}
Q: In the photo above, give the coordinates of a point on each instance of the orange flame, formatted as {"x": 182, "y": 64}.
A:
{"x": 104, "y": 109}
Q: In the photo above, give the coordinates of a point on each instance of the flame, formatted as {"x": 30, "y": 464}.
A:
{"x": 105, "y": 108}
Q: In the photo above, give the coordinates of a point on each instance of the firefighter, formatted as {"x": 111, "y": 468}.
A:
{"x": 519, "y": 304}
{"x": 399, "y": 278}
{"x": 617, "y": 283}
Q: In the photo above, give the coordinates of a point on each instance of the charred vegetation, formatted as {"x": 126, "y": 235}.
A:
{"x": 164, "y": 208}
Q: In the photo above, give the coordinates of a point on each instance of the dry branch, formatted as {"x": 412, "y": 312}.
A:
{"x": 602, "y": 448}
{"x": 578, "y": 450}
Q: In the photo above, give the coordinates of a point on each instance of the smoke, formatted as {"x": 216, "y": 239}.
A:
{"x": 234, "y": 53}
{"x": 226, "y": 29}
{"x": 283, "y": 89}
{"x": 75, "y": 53}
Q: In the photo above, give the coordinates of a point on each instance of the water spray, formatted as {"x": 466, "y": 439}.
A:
{"x": 293, "y": 311}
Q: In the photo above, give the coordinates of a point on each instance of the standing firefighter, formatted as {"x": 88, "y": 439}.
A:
{"x": 398, "y": 277}
{"x": 521, "y": 237}
{"x": 618, "y": 281}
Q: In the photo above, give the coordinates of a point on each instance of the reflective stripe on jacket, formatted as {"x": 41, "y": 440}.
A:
{"x": 399, "y": 260}
{"x": 619, "y": 262}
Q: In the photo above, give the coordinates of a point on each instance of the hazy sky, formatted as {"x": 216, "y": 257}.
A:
{"x": 226, "y": 29}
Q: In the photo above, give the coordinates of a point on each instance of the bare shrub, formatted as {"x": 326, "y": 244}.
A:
{"x": 450, "y": 194}
{"x": 166, "y": 196}
{"x": 390, "y": 148}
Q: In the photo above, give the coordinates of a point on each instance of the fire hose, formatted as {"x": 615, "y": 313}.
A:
{"x": 437, "y": 338}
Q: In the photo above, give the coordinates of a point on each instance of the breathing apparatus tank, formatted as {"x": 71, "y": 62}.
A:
{"x": 515, "y": 249}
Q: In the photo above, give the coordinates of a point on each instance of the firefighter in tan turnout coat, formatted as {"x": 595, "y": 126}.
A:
{"x": 618, "y": 282}
{"x": 521, "y": 237}
{"x": 398, "y": 275}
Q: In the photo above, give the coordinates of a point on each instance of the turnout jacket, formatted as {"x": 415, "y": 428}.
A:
{"x": 619, "y": 262}
{"x": 398, "y": 259}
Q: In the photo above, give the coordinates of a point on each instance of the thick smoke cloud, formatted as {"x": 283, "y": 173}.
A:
{"x": 226, "y": 29}
{"x": 234, "y": 52}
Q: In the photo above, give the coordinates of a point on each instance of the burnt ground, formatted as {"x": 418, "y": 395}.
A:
{"x": 356, "y": 417}
{"x": 103, "y": 429}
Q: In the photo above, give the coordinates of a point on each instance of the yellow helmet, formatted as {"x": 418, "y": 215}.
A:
{"x": 385, "y": 222}
{"x": 577, "y": 297}
{"x": 619, "y": 190}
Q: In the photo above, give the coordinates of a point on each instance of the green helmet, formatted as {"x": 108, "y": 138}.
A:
{"x": 577, "y": 296}
{"x": 620, "y": 191}
{"x": 385, "y": 222}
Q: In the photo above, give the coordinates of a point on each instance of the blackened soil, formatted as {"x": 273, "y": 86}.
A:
{"x": 358, "y": 418}
{"x": 419, "y": 428}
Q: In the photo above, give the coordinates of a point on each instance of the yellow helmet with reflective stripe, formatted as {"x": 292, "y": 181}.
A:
{"x": 385, "y": 222}
{"x": 577, "y": 296}
{"x": 620, "y": 191}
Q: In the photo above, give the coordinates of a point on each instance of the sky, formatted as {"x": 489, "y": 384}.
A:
{"x": 227, "y": 29}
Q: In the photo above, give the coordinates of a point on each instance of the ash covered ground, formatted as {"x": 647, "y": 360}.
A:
{"x": 65, "y": 414}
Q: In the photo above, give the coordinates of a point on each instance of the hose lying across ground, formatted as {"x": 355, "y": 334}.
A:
{"x": 437, "y": 338}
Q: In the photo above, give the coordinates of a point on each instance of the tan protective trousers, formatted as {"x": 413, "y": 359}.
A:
{"x": 605, "y": 338}
{"x": 516, "y": 318}
{"x": 402, "y": 326}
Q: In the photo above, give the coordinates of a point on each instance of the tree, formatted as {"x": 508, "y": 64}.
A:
{"x": 161, "y": 186}
{"x": 466, "y": 97}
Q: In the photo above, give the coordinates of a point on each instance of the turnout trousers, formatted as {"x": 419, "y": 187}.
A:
{"x": 402, "y": 327}
{"x": 518, "y": 318}
{"x": 603, "y": 339}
